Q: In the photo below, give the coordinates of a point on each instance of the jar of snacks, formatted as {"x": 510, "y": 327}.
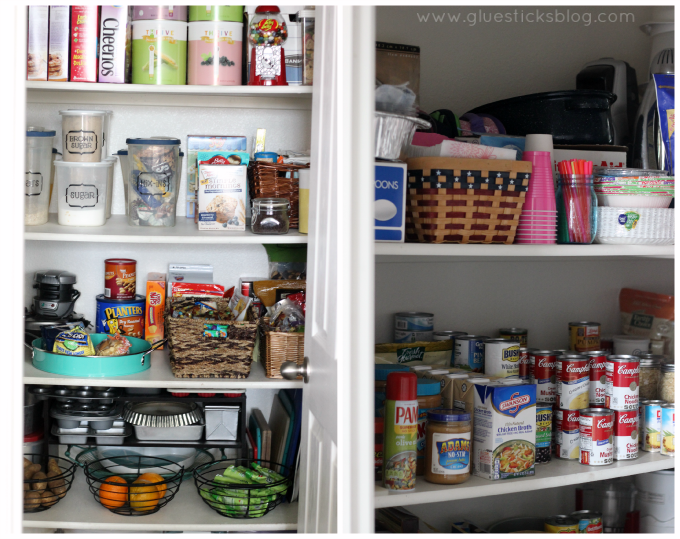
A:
{"x": 267, "y": 33}
{"x": 447, "y": 447}
{"x": 667, "y": 383}
{"x": 270, "y": 216}
{"x": 650, "y": 372}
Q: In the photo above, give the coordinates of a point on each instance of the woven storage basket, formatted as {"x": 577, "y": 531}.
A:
{"x": 454, "y": 200}
{"x": 274, "y": 180}
{"x": 277, "y": 347}
{"x": 194, "y": 356}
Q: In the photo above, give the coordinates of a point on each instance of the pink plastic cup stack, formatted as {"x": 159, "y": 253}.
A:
{"x": 538, "y": 222}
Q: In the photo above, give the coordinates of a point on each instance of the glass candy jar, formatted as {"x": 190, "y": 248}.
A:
{"x": 267, "y": 33}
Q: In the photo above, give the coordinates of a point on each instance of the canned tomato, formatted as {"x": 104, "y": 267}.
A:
{"x": 650, "y": 425}
{"x": 413, "y": 326}
{"x": 501, "y": 358}
{"x": 121, "y": 316}
{"x": 446, "y": 335}
{"x": 596, "y": 428}
{"x": 598, "y": 377}
{"x": 623, "y": 381}
{"x": 588, "y": 521}
{"x": 584, "y": 336}
{"x": 572, "y": 373}
{"x": 120, "y": 278}
{"x": 561, "y": 524}
{"x": 626, "y": 434}
{"x": 542, "y": 373}
{"x": 468, "y": 352}
{"x": 568, "y": 437}
{"x": 544, "y": 416}
{"x": 524, "y": 362}
{"x": 668, "y": 429}
{"x": 514, "y": 334}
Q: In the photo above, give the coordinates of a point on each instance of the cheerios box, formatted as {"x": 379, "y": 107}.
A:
{"x": 504, "y": 430}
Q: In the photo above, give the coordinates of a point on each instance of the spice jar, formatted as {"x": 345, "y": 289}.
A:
{"x": 270, "y": 216}
{"x": 667, "y": 383}
{"x": 650, "y": 372}
{"x": 448, "y": 441}
{"x": 429, "y": 397}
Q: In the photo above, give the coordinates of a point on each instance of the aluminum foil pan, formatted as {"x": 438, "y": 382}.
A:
{"x": 393, "y": 132}
{"x": 162, "y": 414}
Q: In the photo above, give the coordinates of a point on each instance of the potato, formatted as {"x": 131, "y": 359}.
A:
{"x": 27, "y": 462}
{"x": 32, "y": 499}
{"x": 41, "y": 485}
{"x": 27, "y": 486}
{"x": 57, "y": 482}
{"x": 30, "y": 470}
{"x": 52, "y": 466}
{"x": 48, "y": 499}
{"x": 60, "y": 491}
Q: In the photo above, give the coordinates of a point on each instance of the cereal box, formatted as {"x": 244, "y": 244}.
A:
{"x": 57, "y": 67}
{"x": 222, "y": 189}
{"x": 504, "y": 430}
{"x": 115, "y": 44}
{"x": 84, "y": 45}
{"x": 155, "y": 305}
{"x": 36, "y": 59}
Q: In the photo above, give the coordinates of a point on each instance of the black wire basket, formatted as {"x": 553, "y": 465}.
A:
{"x": 50, "y": 489}
{"x": 234, "y": 499}
{"x": 146, "y": 491}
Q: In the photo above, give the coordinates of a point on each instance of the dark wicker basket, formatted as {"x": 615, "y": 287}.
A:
{"x": 274, "y": 180}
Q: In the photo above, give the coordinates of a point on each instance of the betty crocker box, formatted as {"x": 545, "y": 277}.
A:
{"x": 84, "y": 44}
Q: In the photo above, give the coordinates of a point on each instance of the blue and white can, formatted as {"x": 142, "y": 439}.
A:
{"x": 468, "y": 352}
{"x": 413, "y": 327}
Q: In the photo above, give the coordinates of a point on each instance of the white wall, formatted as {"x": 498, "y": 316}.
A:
{"x": 464, "y": 65}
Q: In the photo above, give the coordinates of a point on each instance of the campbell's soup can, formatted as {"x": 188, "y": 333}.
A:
{"x": 120, "y": 278}
{"x": 413, "y": 326}
{"x": 568, "y": 439}
{"x": 650, "y": 425}
{"x": 573, "y": 381}
{"x": 468, "y": 352}
{"x": 542, "y": 373}
{"x": 501, "y": 358}
{"x": 598, "y": 377}
{"x": 668, "y": 429}
{"x": 584, "y": 336}
{"x": 524, "y": 362}
{"x": 514, "y": 334}
{"x": 626, "y": 434}
{"x": 623, "y": 383}
{"x": 588, "y": 521}
{"x": 596, "y": 428}
{"x": 561, "y": 524}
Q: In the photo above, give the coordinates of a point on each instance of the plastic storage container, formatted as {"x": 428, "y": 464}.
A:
{"x": 306, "y": 18}
{"x": 650, "y": 373}
{"x": 38, "y": 178}
{"x": 33, "y": 445}
{"x": 81, "y": 192}
{"x": 576, "y": 209}
{"x": 270, "y": 216}
{"x": 153, "y": 181}
{"x": 109, "y": 185}
{"x": 82, "y": 132}
{"x": 125, "y": 171}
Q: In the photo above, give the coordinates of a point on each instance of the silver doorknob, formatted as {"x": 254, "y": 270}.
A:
{"x": 291, "y": 370}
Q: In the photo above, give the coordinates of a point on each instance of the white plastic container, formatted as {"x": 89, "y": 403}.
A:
{"x": 125, "y": 171}
{"x": 82, "y": 132}
{"x": 81, "y": 192}
{"x": 629, "y": 345}
{"x": 109, "y": 185}
{"x": 655, "y": 500}
{"x": 106, "y": 150}
{"x": 38, "y": 167}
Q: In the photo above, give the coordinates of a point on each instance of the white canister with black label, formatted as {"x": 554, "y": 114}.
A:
{"x": 81, "y": 192}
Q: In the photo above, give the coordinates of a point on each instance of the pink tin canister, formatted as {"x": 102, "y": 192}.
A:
{"x": 166, "y": 13}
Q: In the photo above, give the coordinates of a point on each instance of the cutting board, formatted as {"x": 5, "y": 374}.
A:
{"x": 279, "y": 421}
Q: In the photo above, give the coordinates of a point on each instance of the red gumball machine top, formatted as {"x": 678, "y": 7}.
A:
{"x": 267, "y": 33}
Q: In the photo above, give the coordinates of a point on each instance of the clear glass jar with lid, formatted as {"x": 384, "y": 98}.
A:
{"x": 447, "y": 446}
{"x": 650, "y": 372}
{"x": 270, "y": 216}
{"x": 667, "y": 382}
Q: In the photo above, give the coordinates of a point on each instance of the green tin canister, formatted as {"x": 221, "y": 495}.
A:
{"x": 216, "y": 13}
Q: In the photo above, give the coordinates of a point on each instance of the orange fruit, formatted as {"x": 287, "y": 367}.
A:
{"x": 113, "y": 496}
{"x": 144, "y": 498}
{"x": 155, "y": 478}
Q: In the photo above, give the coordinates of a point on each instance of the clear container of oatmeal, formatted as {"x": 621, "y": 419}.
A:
{"x": 38, "y": 172}
{"x": 447, "y": 446}
{"x": 650, "y": 373}
{"x": 667, "y": 383}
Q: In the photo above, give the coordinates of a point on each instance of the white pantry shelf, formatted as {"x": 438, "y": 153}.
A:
{"x": 117, "y": 230}
{"x": 159, "y": 375}
{"x": 556, "y": 473}
{"x": 185, "y": 513}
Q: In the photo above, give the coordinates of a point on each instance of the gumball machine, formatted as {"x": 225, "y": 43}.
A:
{"x": 267, "y": 33}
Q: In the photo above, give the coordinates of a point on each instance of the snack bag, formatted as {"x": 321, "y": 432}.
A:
{"x": 74, "y": 342}
{"x": 649, "y": 315}
{"x": 115, "y": 345}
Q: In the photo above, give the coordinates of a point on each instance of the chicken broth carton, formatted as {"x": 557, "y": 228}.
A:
{"x": 504, "y": 430}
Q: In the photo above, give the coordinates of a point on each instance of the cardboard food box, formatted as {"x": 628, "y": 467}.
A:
{"x": 390, "y": 202}
{"x": 222, "y": 189}
{"x": 115, "y": 44}
{"x": 58, "y": 59}
{"x": 84, "y": 46}
{"x": 38, "y": 30}
{"x": 154, "y": 327}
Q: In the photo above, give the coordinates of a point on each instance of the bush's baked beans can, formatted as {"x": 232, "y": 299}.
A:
{"x": 626, "y": 434}
{"x": 501, "y": 358}
{"x": 573, "y": 381}
{"x": 561, "y": 524}
{"x": 650, "y": 425}
{"x": 514, "y": 334}
{"x": 120, "y": 278}
{"x": 598, "y": 377}
{"x": 668, "y": 429}
{"x": 544, "y": 420}
{"x": 623, "y": 383}
{"x": 524, "y": 362}
{"x": 568, "y": 438}
{"x": 584, "y": 336}
{"x": 542, "y": 373}
{"x": 588, "y": 521}
{"x": 468, "y": 352}
{"x": 596, "y": 428}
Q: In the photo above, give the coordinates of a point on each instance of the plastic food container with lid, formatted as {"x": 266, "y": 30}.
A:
{"x": 307, "y": 19}
{"x": 82, "y": 132}
{"x": 153, "y": 181}
{"x": 270, "y": 215}
{"x": 109, "y": 185}
{"x": 38, "y": 177}
{"x": 81, "y": 192}
{"x": 125, "y": 171}
{"x": 447, "y": 448}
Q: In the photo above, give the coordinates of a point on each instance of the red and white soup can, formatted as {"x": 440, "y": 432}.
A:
{"x": 542, "y": 373}
{"x": 567, "y": 446}
{"x": 596, "y": 427}
{"x": 626, "y": 434}
{"x": 573, "y": 381}
{"x": 598, "y": 377}
{"x": 524, "y": 362}
{"x": 623, "y": 383}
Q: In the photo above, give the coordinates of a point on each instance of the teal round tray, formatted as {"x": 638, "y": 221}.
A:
{"x": 137, "y": 360}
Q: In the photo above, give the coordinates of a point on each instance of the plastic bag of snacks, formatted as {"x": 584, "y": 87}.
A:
{"x": 651, "y": 316}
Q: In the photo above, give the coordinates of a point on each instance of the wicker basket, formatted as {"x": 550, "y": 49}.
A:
{"x": 194, "y": 356}
{"x": 454, "y": 200}
{"x": 274, "y": 180}
{"x": 277, "y": 347}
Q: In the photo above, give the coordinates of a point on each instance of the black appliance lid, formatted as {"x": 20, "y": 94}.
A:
{"x": 54, "y": 277}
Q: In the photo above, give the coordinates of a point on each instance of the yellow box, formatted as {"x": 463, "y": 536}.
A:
{"x": 154, "y": 327}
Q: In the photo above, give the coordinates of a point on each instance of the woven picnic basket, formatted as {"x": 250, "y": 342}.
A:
{"x": 453, "y": 200}
{"x": 194, "y": 356}
{"x": 276, "y": 180}
{"x": 277, "y": 347}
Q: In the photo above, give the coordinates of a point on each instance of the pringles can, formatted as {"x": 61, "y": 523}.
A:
{"x": 120, "y": 278}
{"x": 584, "y": 336}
